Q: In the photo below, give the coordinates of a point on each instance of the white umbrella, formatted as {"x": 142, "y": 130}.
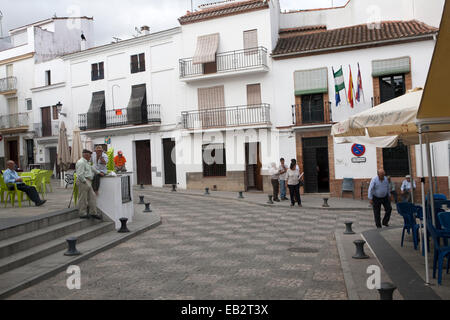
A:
{"x": 77, "y": 147}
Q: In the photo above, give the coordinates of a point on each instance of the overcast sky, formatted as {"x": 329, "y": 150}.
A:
{"x": 118, "y": 18}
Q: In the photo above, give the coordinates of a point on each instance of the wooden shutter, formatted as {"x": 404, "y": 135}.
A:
{"x": 254, "y": 95}
{"x": 94, "y": 72}
{"x": 101, "y": 71}
{"x": 134, "y": 64}
{"x": 250, "y": 40}
{"x": 209, "y": 100}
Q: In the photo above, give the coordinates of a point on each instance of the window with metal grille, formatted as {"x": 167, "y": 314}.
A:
{"x": 29, "y": 104}
{"x": 312, "y": 108}
{"x": 125, "y": 189}
{"x": 97, "y": 71}
{"x": 55, "y": 112}
{"x": 48, "y": 78}
{"x": 138, "y": 63}
{"x": 214, "y": 160}
{"x": 395, "y": 161}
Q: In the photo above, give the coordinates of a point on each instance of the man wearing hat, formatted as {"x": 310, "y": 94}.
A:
{"x": 406, "y": 188}
{"x": 99, "y": 161}
{"x": 87, "y": 198}
{"x": 119, "y": 162}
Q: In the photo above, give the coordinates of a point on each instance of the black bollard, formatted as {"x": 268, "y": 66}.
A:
{"x": 123, "y": 227}
{"x": 387, "y": 291}
{"x": 207, "y": 191}
{"x": 325, "y": 203}
{"x": 142, "y": 186}
{"x": 360, "y": 254}
{"x": 214, "y": 188}
{"x": 72, "y": 247}
{"x": 348, "y": 227}
{"x": 174, "y": 188}
{"x": 147, "y": 207}
{"x": 270, "y": 200}
{"x": 241, "y": 196}
{"x": 141, "y": 200}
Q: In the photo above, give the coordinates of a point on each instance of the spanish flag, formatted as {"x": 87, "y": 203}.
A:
{"x": 350, "y": 89}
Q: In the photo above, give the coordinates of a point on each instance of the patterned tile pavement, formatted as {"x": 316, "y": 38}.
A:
{"x": 218, "y": 249}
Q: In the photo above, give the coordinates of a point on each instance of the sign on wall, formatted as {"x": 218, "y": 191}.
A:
{"x": 358, "y": 150}
{"x": 107, "y": 140}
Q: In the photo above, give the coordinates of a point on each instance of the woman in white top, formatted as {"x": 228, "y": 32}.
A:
{"x": 293, "y": 181}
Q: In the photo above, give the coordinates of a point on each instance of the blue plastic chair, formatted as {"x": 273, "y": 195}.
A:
{"x": 444, "y": 219}
{"x": 407, "y": 210}
{"x": 440, "y": 252}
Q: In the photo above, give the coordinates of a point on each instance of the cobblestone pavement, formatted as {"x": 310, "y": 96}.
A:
{"x": 218, "y": 249}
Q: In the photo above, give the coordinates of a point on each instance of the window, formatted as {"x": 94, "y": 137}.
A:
{"x": 97, "y": 71}
{"x": 55, "y": 112}
{"x": 250, "y": 41}
{"x": 391, "y": 86}
{"x": 254, "y": 95}
{"x": 29, "y": 104}
{"x": 395, "y": 161}
{"x": 214, "y": 160}
{"x": 312, "y": 108}
{"x": 138, "y": 63}
{"x": 48, "y": 79}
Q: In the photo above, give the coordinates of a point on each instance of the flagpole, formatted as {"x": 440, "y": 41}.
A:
{"x": 353, "y": 86}
{"x": 345, "y": 88}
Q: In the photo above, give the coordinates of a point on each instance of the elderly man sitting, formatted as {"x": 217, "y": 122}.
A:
{"x": 406, "y": 188}
{"x": 99, "y": 161}
{"x": 11, "y": 176}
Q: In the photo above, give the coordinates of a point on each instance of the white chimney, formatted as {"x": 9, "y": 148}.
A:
{"x": 145, "y": 30}
{"x": 83, "y": 45}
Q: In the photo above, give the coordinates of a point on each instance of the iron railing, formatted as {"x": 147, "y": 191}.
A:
{"x": 118, "y": 117}
{"x": 227, "y": 61}
{"x": 16, "y": 120}
{"x": 309, "y": 113}
{"x": 50, "y": 130}
{"x": 8, "y": 84}
{"x": 227, "y": 117}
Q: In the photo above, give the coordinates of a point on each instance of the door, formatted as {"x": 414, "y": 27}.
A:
{"x": 46, "y": 122}
{"x": 315, "y": 164}
{"x": 30, "y": 151}
{"x": 253, "y": 166}
{"x": 211, "y": 102}
{"x": 170, "y": 169}
{"x": 13, "y": 151}
{"x": 143, "y": 162}
{"x": 53, "y": 156}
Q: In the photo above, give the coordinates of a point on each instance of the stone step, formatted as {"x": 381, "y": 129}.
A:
{"x": 36, "y": 223}
{"x": 31, "y": 239}
{"x": 32, "y": 254}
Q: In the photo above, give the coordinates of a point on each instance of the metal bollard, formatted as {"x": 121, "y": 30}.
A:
{"x": 360, "y": 254}
{"x": 123, "y": 227}
{"x": 142, "y": 186}
{"x": 174, "y": 188}
{"x": 141, "y": 200}
{"x": 348, "y": 228}
{"x": 325, "y": 203}
{"x": 147, "y": 207}
{"x": 387, "y": 291}
{"x": 241, "y": 196}
{"x": 72, "y": 247}
{"x": 214, "y": 188}
{"x": 207, "y": 191}
{"x": 270, "y": 200}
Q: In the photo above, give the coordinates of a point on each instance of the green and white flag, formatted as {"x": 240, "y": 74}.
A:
{"x": 339, "y": 84}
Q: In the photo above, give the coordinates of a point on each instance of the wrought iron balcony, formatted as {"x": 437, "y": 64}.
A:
{"x": 308, "y": 113}
{"x": 119, "y": 117}
{"x": 227, "y": 117}
{"x": 46, "y": 130}
{"x": 8, "y": 84}
{"x": 14, "y": 121}
{"x": 226, "y": 62}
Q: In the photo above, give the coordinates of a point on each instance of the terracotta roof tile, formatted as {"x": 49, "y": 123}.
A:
{"x": 223, "y": 10}
{"x": 354, "y": 35}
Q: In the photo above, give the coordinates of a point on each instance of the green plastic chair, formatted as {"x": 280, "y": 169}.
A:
{"x": 75, "y": 189}
{"x": 3, "y": 188}
{"x": 37, "y": 182}
{"x": 47, "y": 176}
{"x": 11, "y": 194}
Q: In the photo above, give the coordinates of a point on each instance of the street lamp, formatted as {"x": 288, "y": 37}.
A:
{"x": 59, "y": 109}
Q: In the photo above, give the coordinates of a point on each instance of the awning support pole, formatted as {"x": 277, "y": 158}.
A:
{"x": 422, "y": 181}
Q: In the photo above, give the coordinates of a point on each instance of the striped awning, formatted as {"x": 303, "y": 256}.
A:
{"x": 311, "y": 81}
{"x": 207, "y": 46}
{"x": 391, "y": 66}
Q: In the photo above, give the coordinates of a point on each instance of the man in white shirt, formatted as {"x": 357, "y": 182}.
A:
{"x": 282, "y": 170}
{"x": 406, "y": 188}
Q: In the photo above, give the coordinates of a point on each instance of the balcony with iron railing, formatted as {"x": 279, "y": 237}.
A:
{"x": 247, "y": 115}
{"x": 46, "y": 130}
{"x": 8, "y": 85}
{"x": 14, "y": 122}
{"x": 311, "y": 114}
{"x": 246, "y": 60}
{"x": 119, "y": 117}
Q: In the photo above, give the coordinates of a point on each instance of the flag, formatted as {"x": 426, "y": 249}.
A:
{"x": 350, "y": 89}
{"x": 339, "y": 84}
{"x": 360, "y": 88}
